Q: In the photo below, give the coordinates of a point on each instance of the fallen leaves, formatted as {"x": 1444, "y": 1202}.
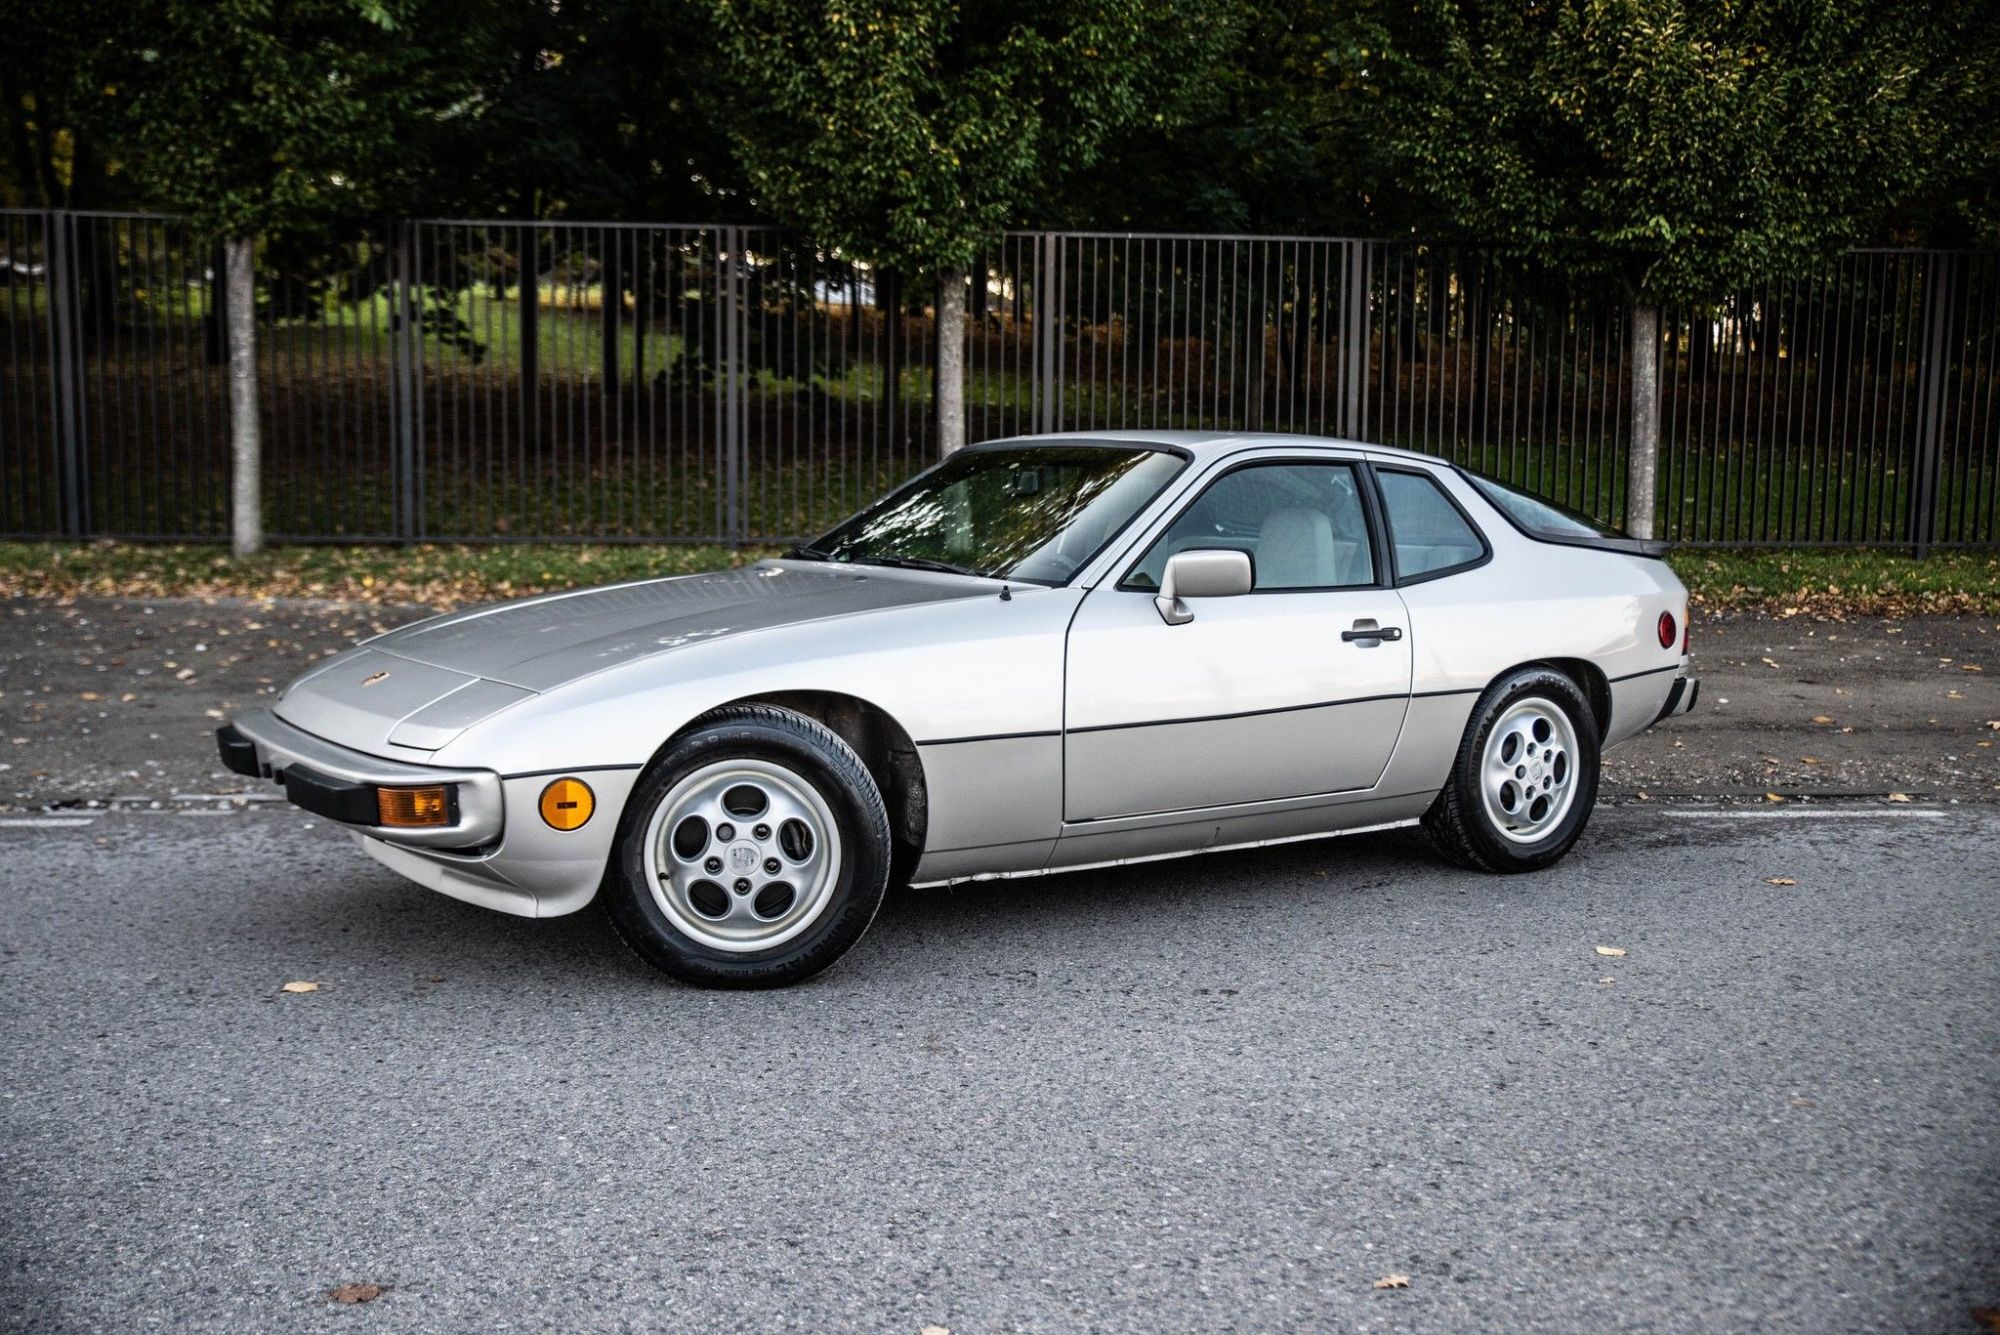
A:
{"x": 440, "y": 577}
{"x": 1821, "y": 719}
{"x": 1780, "y": 880}
{"x": 1393, "y": 1282}
{"x": 1899, "y": 797}
{"x": 300, "y": 985}
{"x": 1615, "y": 952}
{"x": 356, "y": 1293}
{"x": 1773, "y": 797}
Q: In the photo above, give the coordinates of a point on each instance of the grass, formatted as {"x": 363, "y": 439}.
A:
{"x": 1817, "y": 583}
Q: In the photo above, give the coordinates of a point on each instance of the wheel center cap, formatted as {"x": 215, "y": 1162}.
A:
{"x": 742, "y": 858}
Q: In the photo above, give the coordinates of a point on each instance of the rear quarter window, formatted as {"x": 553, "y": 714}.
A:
{"x": 1428, "y": 532}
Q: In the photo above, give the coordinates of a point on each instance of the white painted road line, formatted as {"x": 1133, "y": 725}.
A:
{"x": 1800, "y": 813}
{"x": 44, "y": 822}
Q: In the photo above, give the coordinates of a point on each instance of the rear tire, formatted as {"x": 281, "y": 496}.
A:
{"x": 1525, "y": 777}
{"x": 754, "y": 852}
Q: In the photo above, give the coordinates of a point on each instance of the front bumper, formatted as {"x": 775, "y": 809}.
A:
{"x": 1680, "y": 698}
{"x": 339, "y": 783}
{"x": 498, "y": 852}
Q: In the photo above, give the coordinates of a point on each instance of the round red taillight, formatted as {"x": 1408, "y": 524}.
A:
{"x": 1668, "y": 629}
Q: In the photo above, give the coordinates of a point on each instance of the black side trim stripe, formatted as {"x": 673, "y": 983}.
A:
{"x": 587, "y": 769}
{"x": 1237, "y": 811}
{"x": 988, "y": 737}
{"x": 1649, "y": 672}
{"x": 1218, "y": 718}
{"x": 1248, "y": 713}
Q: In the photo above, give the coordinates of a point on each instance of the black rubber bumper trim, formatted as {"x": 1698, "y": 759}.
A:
{"x": 1688, "y": 686}
{"x": 335, "y": 799}
{"x": 239, "y": 753}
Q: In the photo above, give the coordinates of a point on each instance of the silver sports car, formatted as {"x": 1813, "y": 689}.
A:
{"x": 1042, "y": 654}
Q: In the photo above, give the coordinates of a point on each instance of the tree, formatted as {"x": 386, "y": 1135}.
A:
{"x": 909, "y": 133}
{"x": 1277, "y": 135}
{"x": 1679, "y": 150}
{"x": 256, "y": 116}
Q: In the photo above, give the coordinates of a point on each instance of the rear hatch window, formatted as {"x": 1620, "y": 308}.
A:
{"x": 1546, "y": 521}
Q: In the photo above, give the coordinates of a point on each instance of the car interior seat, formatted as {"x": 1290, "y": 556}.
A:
{"x": 1295, "y": 550}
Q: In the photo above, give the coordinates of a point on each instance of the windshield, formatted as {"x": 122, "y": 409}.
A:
{"x": 1536, "y": 515}
{"x": 1035, "y": 513}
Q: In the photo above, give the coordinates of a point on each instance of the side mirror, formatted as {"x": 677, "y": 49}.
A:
{"x": 1204, "y": 572}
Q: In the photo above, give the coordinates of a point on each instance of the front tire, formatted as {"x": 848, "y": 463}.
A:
{"x": 754, "y": 852}
{"x": 1525, "y": 778}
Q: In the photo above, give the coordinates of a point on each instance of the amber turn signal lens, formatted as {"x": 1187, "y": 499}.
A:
{"x": 413, "y": 807}
{"x": 567, "y": 804}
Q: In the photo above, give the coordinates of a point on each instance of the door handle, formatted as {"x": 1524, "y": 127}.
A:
{"x": 1367, "y": 632}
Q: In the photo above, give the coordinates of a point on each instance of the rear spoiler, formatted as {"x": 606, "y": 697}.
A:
{"x": 1657, "y": 548}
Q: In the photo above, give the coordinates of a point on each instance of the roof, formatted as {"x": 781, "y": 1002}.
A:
{"x": 1207, "y": 444}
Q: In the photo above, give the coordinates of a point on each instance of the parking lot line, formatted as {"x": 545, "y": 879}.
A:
{"x": 1800, "y": 813}
{"x": 44, "y": 822}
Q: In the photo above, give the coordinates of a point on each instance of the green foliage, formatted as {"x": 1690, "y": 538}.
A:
{"x": 273, "y": 114}
{"x": 910, "y": 132}
{"x": 1277, "y": 135}
{"x": 1681, "y": 148}
{"x": 593, "y": 109}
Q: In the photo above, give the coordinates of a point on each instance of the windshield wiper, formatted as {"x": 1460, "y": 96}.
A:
{"x": 803, "y": 553}
{"x": 917, "y": 563}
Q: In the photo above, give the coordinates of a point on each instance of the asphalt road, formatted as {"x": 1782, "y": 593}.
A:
{"x": 1222, "y": 1094}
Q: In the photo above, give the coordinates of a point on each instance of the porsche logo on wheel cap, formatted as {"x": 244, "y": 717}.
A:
{"x": 370, "y": 681}
{"x": 742, "y": 859}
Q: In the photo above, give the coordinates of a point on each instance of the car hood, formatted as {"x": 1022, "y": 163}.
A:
{"x": 420, "y": 686}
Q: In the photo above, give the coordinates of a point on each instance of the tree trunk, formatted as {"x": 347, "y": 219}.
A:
{"x": 1642, "y": 476}
{"x": 951, "y": 361}
{"x": 246, "y": 446}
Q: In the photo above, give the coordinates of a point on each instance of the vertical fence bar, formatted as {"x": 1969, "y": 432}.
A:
{"x": 66, "y": 370}
{"x": 403, "y": 378}
{"x": 730, "y": 384}
{"x": 1930, "y": 409}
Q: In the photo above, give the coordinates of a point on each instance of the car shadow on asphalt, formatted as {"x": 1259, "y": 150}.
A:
{"x": 377, "y": 921}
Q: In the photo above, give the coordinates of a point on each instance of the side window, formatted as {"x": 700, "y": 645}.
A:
{"x": 1427, "y": 530}
{"x": 1303, "y": 525}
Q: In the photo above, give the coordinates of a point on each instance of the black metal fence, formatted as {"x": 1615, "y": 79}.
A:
{"x": 487, "y": 381}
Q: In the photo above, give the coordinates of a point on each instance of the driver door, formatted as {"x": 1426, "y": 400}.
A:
{"x": 1273, "y": 694}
